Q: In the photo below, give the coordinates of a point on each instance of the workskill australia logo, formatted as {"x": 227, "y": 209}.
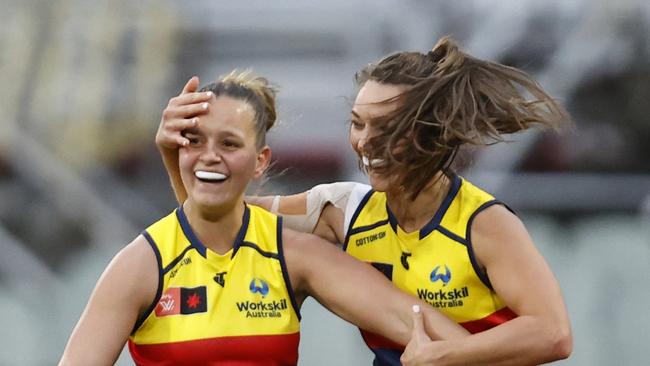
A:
{"x": 259, "y": 286}
{"x": 182, "y": 301}
{"x": 444, "y": 277}
{"x": 447, "y": 298}
{"x": 261, "y": 308}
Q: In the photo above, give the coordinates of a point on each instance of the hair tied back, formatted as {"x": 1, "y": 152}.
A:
{"x": 436, "y": 54}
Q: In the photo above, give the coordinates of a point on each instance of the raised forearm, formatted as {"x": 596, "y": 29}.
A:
{"x": 170, "y": 159}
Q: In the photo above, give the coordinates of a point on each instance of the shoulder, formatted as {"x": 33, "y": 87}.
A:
{"x": 495, "y": 221}
{"x": 139, "y": 252}
{"x": 497, "y": 233}
{"x": 339, "y": 194}
{"x": 340, "y": 187}
{"x": 335, "y": 204}
{"x": 135, "y": 269}
{"x": 139, "y": 247}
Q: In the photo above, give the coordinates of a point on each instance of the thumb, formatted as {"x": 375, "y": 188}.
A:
{"x": 191, "y": 86}
{"x": 418, "y": 331}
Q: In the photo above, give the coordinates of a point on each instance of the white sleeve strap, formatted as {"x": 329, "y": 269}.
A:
{"x": 333, "y": 193}
{"x": 353, "y": 202}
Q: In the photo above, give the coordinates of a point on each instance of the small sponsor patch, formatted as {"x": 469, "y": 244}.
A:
{"x": 182, "y": 300}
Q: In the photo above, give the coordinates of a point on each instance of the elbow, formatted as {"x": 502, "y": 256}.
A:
{"x": 562, "y": 343}
{"x": 564, "y": 346}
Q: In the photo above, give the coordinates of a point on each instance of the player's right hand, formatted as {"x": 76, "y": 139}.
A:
{"x": 416, "y": 353}
{"x": 182, "y": 112}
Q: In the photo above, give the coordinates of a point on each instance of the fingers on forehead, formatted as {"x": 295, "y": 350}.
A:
{"x": 189, "y": 98}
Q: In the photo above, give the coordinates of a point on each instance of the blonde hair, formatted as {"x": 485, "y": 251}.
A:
{"x": 253, "y": 89}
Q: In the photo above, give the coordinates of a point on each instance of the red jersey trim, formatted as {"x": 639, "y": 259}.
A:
{"x": 490, "y": 321}
{"x": 262, "y": 350}
{"x": 375, "y": 341}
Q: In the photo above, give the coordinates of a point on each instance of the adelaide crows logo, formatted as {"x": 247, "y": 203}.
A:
{"x": 220, "y": 278}
{"x": 260, "y": 286}
{"x": 445, "y": 278}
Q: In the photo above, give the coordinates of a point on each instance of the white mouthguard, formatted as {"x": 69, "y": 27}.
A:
{"x": 201, "y": 174}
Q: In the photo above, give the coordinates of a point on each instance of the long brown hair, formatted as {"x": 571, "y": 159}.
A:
{"x": 451, "y": 99}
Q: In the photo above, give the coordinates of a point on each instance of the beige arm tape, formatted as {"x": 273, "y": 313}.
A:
{"x": 275, "y": 204}
{"x": 334, "y": 193}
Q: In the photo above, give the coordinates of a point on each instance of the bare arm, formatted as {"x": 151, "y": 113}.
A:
{"x": 182, "y": 111}
{"x": 125, "y": 289}
{"x": 357, "y": 292}
{"x": 295, "y": 204}
{"x": 322, "y": 220}
{"x": 520, "y": 275}
{"x": 320, "y": 210}
{"x": 170, "y": 159}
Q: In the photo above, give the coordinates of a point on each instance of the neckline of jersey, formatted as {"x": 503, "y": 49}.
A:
{"x": 435, "y": 220}
{"x": 196, "y": 243}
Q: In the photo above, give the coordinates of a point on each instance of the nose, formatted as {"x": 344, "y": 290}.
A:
{"x": 210, "y": 155}
{"x": 359, "y": 140}
{"x": 361, "y": 143}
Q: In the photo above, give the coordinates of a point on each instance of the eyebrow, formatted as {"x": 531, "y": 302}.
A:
{"x": 227, "y": 133}
{"x": 193, "y": 130}
{"x": 355, "y": 114}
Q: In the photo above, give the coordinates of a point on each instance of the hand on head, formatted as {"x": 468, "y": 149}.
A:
{"x": 182, "y": 112}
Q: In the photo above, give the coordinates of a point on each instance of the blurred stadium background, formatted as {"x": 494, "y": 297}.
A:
{"x": 84, "y": 83}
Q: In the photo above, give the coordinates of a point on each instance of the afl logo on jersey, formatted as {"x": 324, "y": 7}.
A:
{"x": 260, "y": 286}
{"x": 445, "y": 278}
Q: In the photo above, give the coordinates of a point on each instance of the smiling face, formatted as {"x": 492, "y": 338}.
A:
{"x": 367, "y": 107}
{"x": 222, "y": 156}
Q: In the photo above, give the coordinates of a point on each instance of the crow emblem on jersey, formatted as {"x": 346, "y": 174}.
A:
{"x": 404, "y": 259}
{"x": 259, "y": 286}
{"x": 445, "y": 278}
{"x": 220, "y": 278}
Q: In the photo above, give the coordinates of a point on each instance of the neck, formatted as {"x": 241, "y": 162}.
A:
{"x": 412, "y": 215}
{"x": 216, "y": 228}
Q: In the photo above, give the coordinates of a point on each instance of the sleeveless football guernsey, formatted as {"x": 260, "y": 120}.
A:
{"x": 232, "y": 309}
{"x": 435, "y": 264}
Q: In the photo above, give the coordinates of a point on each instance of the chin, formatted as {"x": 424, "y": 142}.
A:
{"x": 217, "y": 202}
{"x": 210, "y": 205}
{"x": 379, "y": 184}
{"x": 210, "y": 201}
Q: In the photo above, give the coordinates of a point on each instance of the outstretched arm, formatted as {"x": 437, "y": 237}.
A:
{"x": 182, "y": 112}
{"x": 357, "y": 292}
{"x": 519, "y": 274}
{"x": 320, "y": 210}
{"x": 125, "y": 289}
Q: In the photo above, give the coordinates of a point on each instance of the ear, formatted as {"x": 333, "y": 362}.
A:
{"x": 263, "y": 161}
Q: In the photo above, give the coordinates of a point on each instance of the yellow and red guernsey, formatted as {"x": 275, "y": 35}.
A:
{"x": 232, "y": 309}
{"x": 436, "y": 264}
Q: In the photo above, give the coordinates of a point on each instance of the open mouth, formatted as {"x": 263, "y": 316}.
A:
{"x": 209, "y": 177}
{"x": 372, "y": 163}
